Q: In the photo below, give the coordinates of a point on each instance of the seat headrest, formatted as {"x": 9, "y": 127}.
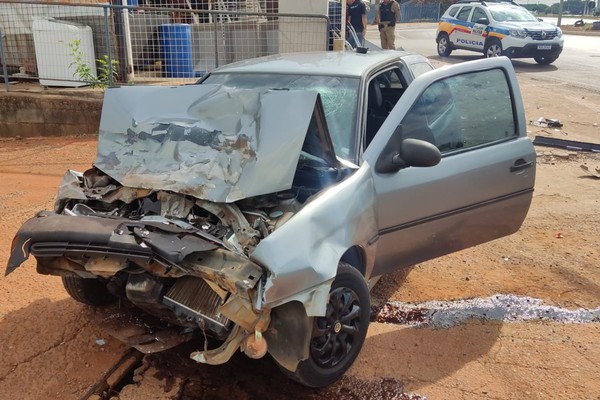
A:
{"x": 375, "y": 96}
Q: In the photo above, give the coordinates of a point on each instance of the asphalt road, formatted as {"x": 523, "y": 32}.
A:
{"x": 578, "y": 65}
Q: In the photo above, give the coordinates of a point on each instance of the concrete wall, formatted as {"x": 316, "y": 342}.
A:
{"x": 37, "y": 114}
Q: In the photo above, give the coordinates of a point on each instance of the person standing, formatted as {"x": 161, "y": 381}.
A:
{"x": 387, "y": 13}
{"x": 356, "y": 15}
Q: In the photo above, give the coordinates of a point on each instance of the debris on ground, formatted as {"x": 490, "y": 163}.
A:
{"x": 593, "y": 173}
{"x": 547, "y": 123}
{"x": 566, "y": 144}
{"x": 506, "y": 308}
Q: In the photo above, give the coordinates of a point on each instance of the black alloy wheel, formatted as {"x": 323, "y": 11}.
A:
{"x": 338, "y": 336}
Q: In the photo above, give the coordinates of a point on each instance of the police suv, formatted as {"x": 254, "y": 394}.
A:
{"x": 497, "y": 28}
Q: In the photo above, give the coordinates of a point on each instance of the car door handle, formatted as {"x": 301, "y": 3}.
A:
{"x": 520, "y": 165}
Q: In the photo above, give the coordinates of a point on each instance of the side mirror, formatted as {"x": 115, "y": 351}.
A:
{"x": 541, "y": 19}
{"x": 483, "y": 21}
{"x": 410, "y": 153}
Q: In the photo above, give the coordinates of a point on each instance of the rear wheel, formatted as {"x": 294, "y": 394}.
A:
{"x": 92, "y": 292}
{"x": 338, "y": 336}
{"x": 493, "y": 48}
{"x": 443, "y": 45}
{"x": 545, "y": 60}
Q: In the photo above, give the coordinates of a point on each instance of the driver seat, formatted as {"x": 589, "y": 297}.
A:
{"x": 376, "y": 114}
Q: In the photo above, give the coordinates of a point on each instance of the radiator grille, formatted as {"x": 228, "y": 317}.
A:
{"x": 542, "y": 35}
{"x": 193, "y": 297}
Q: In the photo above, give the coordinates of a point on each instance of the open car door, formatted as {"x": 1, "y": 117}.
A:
{"x": 482, "y": 186}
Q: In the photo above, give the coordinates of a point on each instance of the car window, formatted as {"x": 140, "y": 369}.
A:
{"x": 453, "y": 11}
{"x": 384, "y": 91}
{"x": 516, "y": 14}
{"x": 339, "y": 96}
{"x": 477, "y": 14}
{"x": 454, "y": 113}
{"x": 463, "y": 15}
{"x": 420, "y": 68}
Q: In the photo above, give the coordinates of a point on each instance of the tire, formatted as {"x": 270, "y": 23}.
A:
{"x": 346, "y": 323}
{"x": 92, "y": 292}
{"x": 444, "y": 47}
{"x": 493, "y": 48}
{"x": 545, "y": 60}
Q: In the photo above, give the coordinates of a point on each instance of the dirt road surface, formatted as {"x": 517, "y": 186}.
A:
{"x": 530, "y": 329}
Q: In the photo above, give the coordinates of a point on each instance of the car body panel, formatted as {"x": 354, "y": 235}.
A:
{"x": 471, "y": 196}
{"x": 334, "y": 63}
{"x": 179, "y": 139}
{"x": 317, "y": 237}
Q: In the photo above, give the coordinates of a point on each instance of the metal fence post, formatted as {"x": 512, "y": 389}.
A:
{"x": 4, "y": 70}
{"x": 109, "y": 46}
{"x": 216, "y": 43}
{"x": 127, "y": 40}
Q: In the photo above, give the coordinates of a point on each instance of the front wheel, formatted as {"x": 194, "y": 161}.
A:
{"x": 545, "y": 60}
{"x": 493, "y": 48}
{"x": 338, "y": 336}
{"x": 443, "y": 45}
{"x": 92, "y": 292}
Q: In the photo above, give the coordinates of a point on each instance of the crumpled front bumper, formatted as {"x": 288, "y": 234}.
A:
{"x": 55, "y": 235}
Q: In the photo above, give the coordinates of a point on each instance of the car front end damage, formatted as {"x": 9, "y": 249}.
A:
{"x": 228, "y": 215}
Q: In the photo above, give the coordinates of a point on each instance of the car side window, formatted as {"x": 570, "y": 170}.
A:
{"x": 455, "y": 114}
{"x": 384, "y": 91}
{"x": 478, "y": 13}
{"x": 453, "y": 11}
{"x": 463, "y": 15}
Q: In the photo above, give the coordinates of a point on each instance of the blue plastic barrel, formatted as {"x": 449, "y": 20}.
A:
{"x": 176, "y": 50}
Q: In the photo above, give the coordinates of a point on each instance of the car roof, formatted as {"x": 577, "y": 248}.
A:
{"x": 337, "y": 63}
{"x": 503, "y": 4}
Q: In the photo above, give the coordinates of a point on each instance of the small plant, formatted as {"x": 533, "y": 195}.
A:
{"x": 106, "y": 69}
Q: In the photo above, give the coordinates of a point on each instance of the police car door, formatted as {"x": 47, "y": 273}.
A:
{"x": 482, "y": 187}
{"x": 461, "y": 34}
{"x": 479, "y": 28}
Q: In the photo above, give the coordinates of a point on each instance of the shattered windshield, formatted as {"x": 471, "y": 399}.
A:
{"x": 339, "y": 96}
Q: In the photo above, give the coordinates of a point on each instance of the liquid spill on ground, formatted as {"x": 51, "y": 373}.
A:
{"x": 506, "y": 308}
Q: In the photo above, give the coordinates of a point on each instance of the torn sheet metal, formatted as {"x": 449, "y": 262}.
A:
{"x": 316, "y": 238}
{"x": 214, "y": 143}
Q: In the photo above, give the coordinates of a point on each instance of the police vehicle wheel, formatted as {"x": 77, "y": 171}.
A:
{"x": 493, "y": 48}
{"x": 443, "y": 45}
{"x": 338, "y": 336}
{"x": 545, "y": 60}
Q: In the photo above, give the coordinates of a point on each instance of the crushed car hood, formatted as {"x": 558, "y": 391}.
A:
{"x": 211, "y": 142}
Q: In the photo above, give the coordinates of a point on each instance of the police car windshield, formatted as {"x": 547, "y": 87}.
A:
{"x": 339, "y": 96}
{"x": 513, "y": 15}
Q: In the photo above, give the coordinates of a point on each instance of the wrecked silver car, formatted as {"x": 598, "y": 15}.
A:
{"x": 227, "y": 211}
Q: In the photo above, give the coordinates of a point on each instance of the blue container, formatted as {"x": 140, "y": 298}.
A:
{"x": 176, "y": 50}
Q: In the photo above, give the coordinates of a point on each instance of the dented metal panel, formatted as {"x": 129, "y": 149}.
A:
{"x": 315, "y": 240}
{"x": 214, "y": 143}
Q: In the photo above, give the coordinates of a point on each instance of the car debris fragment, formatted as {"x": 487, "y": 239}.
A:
{"x": 566, "y": 144}
{"x": 593, "y": 173}
{"x": 547, "y": 123}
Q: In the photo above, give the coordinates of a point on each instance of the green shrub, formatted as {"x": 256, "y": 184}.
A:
{"x": 107, "y": 71}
